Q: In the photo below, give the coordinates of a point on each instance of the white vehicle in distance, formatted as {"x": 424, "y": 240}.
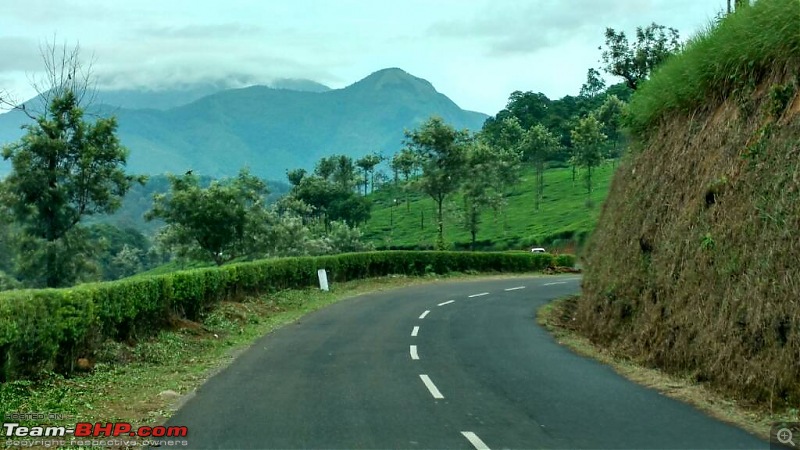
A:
{"x": 538, "y": 250}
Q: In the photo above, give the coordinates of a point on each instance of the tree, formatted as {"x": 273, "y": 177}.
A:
{"x": 367, "y": 165}
{"x": 537, "y": 146}
{"x": 63, "y": 169}
{"x": 482, "y": 169}
{"x": 222, "y": 222}
{"x": 330, "y": 201}
{"x": 441, "y": 151}
{"x": 593, "y": 86}
{"x": 325, "y": 167}
{"x": 295, "y": 176}
{"x": 406, "y": 162}
{"x": 609, "y": 115}
{"x": 344, "y": 174}
{"x": 588, "y": 138}
{"x": 126, "y": 262}
{"x": 635, "y": 61}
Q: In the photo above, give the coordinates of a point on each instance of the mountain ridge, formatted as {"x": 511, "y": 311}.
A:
{"x": 272, "y": 130}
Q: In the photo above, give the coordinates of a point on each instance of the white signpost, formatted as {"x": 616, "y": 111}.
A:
{"x": 323, "y": 279}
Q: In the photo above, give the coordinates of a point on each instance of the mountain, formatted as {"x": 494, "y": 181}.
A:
{"x": 272, "y": 130}
{"x": 299, "y": 84}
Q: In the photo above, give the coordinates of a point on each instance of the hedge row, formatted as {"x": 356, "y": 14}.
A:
{"x": 49, "y": 329}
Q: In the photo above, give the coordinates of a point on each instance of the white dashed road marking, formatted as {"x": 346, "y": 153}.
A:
{"x": 557, "y": 282}
{"x": 413, "y": 350}
{"x": 424, "y": 314}
{"x": 446, "y": 303}
{"x": 515, "y": 288}
{"x": 414, "y": 332}
{"x": 431, "y": 387}
{"x": 479, "y": 295}
{"x": 475, "y": 440}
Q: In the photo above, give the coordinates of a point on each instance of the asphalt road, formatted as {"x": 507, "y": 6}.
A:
{"x": 438, "y": 366}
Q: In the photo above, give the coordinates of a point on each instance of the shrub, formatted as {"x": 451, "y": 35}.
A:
{"x": 48, "y": 329}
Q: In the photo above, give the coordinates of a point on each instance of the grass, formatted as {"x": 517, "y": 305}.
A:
{"x": 144, "y": 383}
{"x": 563, "y": 215}
{"x": 725, "y": 59}
{"x": 558, "y": 317}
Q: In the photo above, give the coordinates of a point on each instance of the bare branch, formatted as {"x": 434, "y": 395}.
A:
{"x": 64, "y": 71}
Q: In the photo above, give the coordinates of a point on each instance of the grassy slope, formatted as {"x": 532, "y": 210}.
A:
{"x": 693, "y": 265}
{"x": 563, "y": 211}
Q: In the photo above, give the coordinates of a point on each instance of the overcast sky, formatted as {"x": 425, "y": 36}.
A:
{"x": 474, "y": 51}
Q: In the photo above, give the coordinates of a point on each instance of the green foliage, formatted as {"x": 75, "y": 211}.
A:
{"x": 588, "y": 140}
{"x": 367, "y": 165}
{"x": 610, "y": 116}
{"x": 779, "y": 97}
{"x": 539, "y": 145}
{"x": 43, "y": 330}
{"x": 489, "y": 173}
{"x": 63, "y": 169}
{"x": 707, "y": 242}
{"x": 330, "y": 200}
{"x": 7, "y": 282}
{"x": 594, "y": 84}
{"x": 719, "y": 63}
{"x": 561, "y": 220}
{"x": 635, "y": 61}
{"x": 442, "y": 153}
{"x": 221, "y": 222}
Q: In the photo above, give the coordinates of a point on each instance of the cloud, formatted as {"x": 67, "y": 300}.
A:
{"x": 518, "y": 28}
{"x": 217, "y": 31}
{"x": 177, "y": 65}
{"x": 19, "y": 54}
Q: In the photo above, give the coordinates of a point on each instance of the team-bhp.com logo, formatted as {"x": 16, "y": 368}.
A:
{"x": 86, "y": 429}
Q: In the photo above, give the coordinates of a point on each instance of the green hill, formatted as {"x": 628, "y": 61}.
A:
{"x": 274, "y": 129}
{"x": 562, "y": 221}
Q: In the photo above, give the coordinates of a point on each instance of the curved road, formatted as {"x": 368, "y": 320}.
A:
{"x": 444, "y": 365}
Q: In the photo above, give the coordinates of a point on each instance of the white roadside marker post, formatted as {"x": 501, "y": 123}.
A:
{"x": 323, "y": 279}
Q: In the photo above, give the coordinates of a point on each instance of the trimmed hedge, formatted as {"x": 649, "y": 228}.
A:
{"x": 48, "y": 329}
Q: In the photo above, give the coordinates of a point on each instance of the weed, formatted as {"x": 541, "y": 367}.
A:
{"x": 779, "y": 97}
{"x": 707, "y": 242}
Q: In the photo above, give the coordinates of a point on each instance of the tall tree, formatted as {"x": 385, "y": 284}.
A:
{"x": 588, "y": 139}
{"x": 609, "y": 114}
{"x": 63, "y": 169}
{"x": 406, "y": 162}
{"x": 344, "y": 174}
{"x": 483, "y": 169}
{"x": 594, "y": 84}
{"x": 367, "y": 165}
{"x": 222, "y": 222}
{"x": 441, "y": 149}
{"x": 326, "y": 167}
{"x": 295, "y": 176}
{"x": 635, "y": 61}
{"x": 528, "y": 107}
{"x": 537, "y": 146}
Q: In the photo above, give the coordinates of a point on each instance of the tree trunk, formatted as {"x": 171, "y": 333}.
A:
{"x": 52, "y": 280}
{"x": 574, "y": 169}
